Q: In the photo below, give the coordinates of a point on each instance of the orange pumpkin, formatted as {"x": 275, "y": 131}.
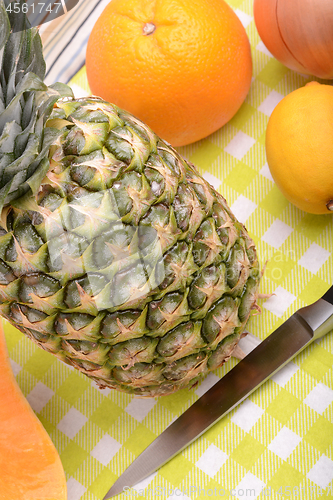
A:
{"x": 30, "y": 467}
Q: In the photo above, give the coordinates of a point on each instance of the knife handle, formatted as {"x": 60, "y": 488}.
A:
{"x": 329, "y": 295}
{"x": 319, "y": 315}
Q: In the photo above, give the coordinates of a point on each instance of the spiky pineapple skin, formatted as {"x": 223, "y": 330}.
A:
{"x": 126, "y": 264}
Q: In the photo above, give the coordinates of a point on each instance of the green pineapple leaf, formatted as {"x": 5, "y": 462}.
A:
{"x": 25, "y": 106}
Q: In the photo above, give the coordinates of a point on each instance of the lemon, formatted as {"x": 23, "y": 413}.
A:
{"x": 299, "y": 147}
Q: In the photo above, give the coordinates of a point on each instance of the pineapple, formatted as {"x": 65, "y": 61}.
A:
{"x": 116, "y": 256}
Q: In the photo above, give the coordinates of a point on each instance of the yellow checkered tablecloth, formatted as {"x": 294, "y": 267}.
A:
{"x": 278, "y": 443}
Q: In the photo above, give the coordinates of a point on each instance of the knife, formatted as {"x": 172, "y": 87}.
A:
{"x": 303, "y": 327}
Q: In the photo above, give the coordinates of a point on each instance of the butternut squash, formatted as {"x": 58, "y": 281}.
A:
{"x": 30, "y": 467}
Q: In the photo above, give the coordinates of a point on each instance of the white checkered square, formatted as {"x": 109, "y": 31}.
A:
{"x": 280, "y": 302}
{"x": 139, "y": 408}
{"x": 243, "y": 208}
{"x": 72, "y": 423}
{"x": 272, "y": 100}
{"x": 248, "y": 343}
{"x": 240, "y": 145}
{"x": 277, "y": 233}
{"x": 322, "y": 472}
{"x": 262, "y": 48}
{"x": 75, "y": 490}
{"x": 249, "y": 488}
{"x": 16, "y": 368}
{"x": 247, "y": 415}
{"x": 213, "y": 181}
{"x": 284, "y": 443}
{"x": 244, "y": 18}
{"x": 105, "y": 449}
{"x": 212, "y": 460}
{"x": 283, "y": 376}
{"x": 39, "y": 397}
{"x": 266, "y": 172}
{"x": 319, "y": 398}
{"x": 314, "y": 258}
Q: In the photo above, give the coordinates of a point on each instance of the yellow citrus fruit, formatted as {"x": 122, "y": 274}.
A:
{"x": 182, "y": 66}
{"x": 299, "y": 147}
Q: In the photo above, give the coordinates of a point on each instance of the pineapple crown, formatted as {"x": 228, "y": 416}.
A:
{"x": 25, "y": 105}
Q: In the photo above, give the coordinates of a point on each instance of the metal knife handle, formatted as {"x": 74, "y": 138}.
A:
{"x": 319, "y": 316}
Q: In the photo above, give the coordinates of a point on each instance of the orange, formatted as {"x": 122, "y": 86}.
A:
{"x": 299, "y": 147}
{"x": 182, "y": 66}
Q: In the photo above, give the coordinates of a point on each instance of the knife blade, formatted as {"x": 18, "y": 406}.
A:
{"x": 303, "y": 327}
